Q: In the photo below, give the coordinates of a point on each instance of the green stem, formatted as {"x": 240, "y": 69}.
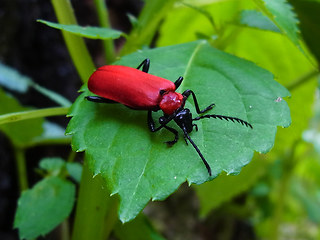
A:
{"x": 303, "y": 79}
{"x": 71, "y": 156}
{"x": 289, "y": 162}
{"x": 21, "y": 168}
{"x": 149, "y": 19}
{"x": 64, "y": 230}
{"x": 76, "y": 46}
{"x": 45, "y": 112}
{"x": 96, "y": 210}
{"x": 104, "y": 22}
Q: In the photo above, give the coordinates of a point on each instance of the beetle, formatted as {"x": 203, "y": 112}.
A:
{"x": 140, "y": 90}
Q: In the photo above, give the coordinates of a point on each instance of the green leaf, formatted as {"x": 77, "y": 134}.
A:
{"x": 223, "y": 188}
{"x": 308, "y": 13}
{"x": 136, "y": 163}
{"x": 275, "y": 53}
{"x": 52, "y": 132}
{"x": 43, "y": 207}
{"x": 15, "y": 81}
{"x": 52, "y": 165}
{"x": 222, "y": 13}
{"x": 20, "y": 133}
{"x": 57, "y": 166}
{"x": 75, "y": 170}
{"x": 88, "y": 32}
{"x": 281, "y": 13}
{"x": 256, "y": 19}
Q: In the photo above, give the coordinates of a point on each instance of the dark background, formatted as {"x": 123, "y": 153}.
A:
{"x": 39, "y": 52}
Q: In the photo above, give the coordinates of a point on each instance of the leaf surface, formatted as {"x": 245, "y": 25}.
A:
{"x": 43, "y": 207}
{"x": 282, "y": 14}
{"x": 256, "y": 19}
{"x": 23, "y": 132}
{"x": 88, "y": 32}
{"x": 308, "y": 13}
{"x": 136, "y": 163}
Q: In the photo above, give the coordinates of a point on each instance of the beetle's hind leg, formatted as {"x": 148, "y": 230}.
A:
{"x": 145, "y": 65}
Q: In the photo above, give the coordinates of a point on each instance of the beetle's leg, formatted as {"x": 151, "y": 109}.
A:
{"x": 176, "y": 136}
{"x": 164, "y": 122}
{"x": 178, "y": 82}
{"x": 145, "y": 65}
{"x": 151, "y": 124}
{"x": 186, "y": 135}
{"x": 195, "y": 125}
{"x": 187, "y": 93}
{"x": 185, "y": 139}
{"x": 99, "y": 99}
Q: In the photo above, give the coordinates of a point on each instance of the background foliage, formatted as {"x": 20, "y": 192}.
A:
{"x": 275, "y": 197}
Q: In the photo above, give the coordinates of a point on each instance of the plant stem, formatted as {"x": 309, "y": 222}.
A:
{"x": 21, "y": 168}
{"x": 303, "y": 79}
{"x": 96, "y": 210}
{"x": 64, "y": 230}
{"x": 76, "y": 46}
{"x": 104, "y": 22}
{"x": 289, "y": 162}
{"x": 45, "y": 112}
{"x": 149, "y": 19}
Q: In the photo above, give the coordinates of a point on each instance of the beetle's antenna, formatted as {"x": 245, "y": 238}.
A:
{"x": 221, "y": 117}
{"x": 197, "y": 149}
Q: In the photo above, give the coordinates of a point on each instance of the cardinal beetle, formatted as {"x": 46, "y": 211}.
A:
{"x": 142, "y": 91}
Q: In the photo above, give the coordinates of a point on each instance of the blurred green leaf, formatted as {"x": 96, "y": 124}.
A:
{"x": 57, "y": 166}
{"x": 224, "y": 188}
{"x": 309, "y": 17}
{"x": 75, "y": 170}
{"x": 136, "y": 164}
{"x": 256, "y": 19}
{"x": 282, "y": 14}
{"x": 20, "y": 133}
{"x": 223, "y": 13}
{"x": 15, "y": 81}
{"x": 52, "y": 165}
{"x": 138, "y": 229}
{"x": 308, "y": 195}
{"x": 43, "y": 207}
{"x": 274, "y": 52}
{"x": 88, "y": 32}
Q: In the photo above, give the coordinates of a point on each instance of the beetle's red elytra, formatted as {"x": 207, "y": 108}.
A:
{"x": 142, "y": 91}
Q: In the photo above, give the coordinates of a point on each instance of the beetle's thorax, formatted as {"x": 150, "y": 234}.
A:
{"x": 170, "y": 102}
{"x": 183, "y": 119}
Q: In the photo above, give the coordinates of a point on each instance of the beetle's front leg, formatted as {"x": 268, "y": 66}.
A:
{"x": 187, "y": 93}
{"x": 163, "y": 124}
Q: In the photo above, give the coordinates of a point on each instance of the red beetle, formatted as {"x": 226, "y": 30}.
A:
{"x": 142, "y": 91}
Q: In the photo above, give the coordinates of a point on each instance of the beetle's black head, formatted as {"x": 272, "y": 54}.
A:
{"x": 184, "y": 119}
